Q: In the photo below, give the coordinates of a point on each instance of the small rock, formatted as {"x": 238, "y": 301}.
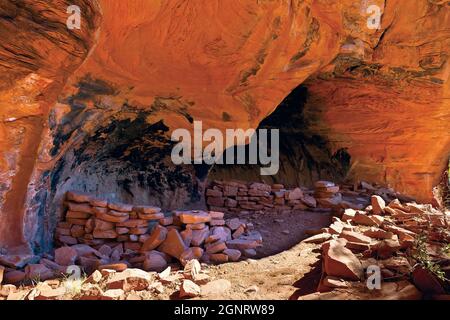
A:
{"x": 318, "y": 238}
{"x": 6, "y": 289}
{"x": 295, "y": 194}
{"x": 427, "y": 282}
{"x": 114, "y": 266}
{"x": 355, "y": 237}
{"x": 122, "y": 207}
{"x": 192, "y": 269}
{"x": 215, "y": 247}
{"x": 133, "y": 296}
{"x": 130, "y": 279}
{"x": 173, "y": 245}
{"x": 113, "y": 294}
{"x": 187, "y": 217}
{"x": 234, "y": 223}
{"x": 95, "y": 277}
{"x": 76, "y": 196}
{"x": 334, "y": 282}
{"x": 233, "y": 254}
{"x": 158, "y": 235}
{"x": 154, "y": 262}
{"x": 49, "y": 293}
{"x": 252, "y": 289}
{"x": 105, "y": 250}
{"x": 189, "y": 289}
{"x": 378, "y": 204}
{"x": 340, "y": 261}
{"x": 165, "y": 274}
{"x": 249, "y": 253}
{"x": 65, "y": 256}
{"x": 201, "y": 279}
{"x": 39, "y": 272}
{"x": 218, "y": 258}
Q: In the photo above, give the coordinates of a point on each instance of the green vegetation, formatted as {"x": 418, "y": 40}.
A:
{"x": 423, "y": 259}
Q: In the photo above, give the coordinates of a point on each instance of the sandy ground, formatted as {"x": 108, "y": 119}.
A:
{"x": 284, "y": 267}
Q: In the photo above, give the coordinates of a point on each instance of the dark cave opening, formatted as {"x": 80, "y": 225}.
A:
{"x": 121, "y": 156}
{"x": 124, "y": 159}
{"x": 305, "y": 156}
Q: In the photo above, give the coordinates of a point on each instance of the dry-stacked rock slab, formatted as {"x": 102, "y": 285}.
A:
{"x": 255, "y": 197}
{"x": 402, "y": 239}
{"x": 97, "y": 234}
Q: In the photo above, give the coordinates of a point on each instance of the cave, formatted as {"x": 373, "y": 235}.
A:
{"x": 87, "y": 116}
{"x": 122, "y": 157}
{"x": 305, "y": 155}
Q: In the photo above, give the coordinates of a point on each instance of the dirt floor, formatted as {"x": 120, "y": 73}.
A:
{"x": 284, "y": 267}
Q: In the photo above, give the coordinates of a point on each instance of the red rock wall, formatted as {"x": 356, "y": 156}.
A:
{"x": 384, "y": 93}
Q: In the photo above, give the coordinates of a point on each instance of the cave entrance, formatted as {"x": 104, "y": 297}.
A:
{"x": 305, "y": 157}
{"x": 123, "y": 159}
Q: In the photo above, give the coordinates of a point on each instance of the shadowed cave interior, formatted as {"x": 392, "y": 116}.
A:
{"x": 128, "y": 159}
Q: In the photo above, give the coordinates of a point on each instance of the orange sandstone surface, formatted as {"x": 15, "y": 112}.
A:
{"x": 383, "y": 94}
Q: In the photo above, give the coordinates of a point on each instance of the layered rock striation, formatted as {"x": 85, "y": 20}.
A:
{"x": 93, "y": 109}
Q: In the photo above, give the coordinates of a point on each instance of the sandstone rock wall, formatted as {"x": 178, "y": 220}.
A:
{"x": 383, "y": 93}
